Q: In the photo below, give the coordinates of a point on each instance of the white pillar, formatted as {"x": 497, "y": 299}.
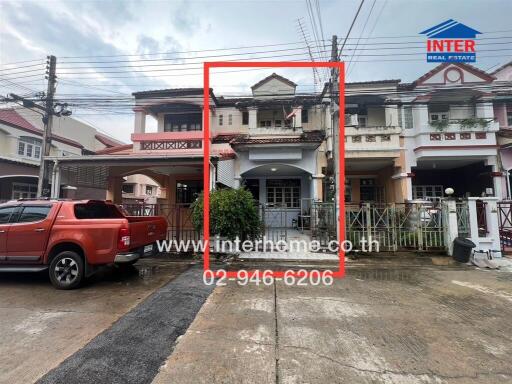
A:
{"x": 253, "y": 118}
{"x": 452, "y": 230}
{"x": 298, "y": 117}
{"x": 140, "y": 122}
{"x": 55, "y": 190}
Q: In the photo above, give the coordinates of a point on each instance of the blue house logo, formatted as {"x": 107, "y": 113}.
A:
{"x": 451, "y": 42}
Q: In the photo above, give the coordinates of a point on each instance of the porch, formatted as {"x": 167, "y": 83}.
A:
{"x": 179, "y": 178}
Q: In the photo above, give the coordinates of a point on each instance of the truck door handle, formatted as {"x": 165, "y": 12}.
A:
{"x": 39, "y": 230}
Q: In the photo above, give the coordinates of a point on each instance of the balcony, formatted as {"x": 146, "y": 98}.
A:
{"x": 191, "y": 141}
{"x": 470, "y": 124}
{"x": 275, "y": 130}
{"x": 379, "y": 140}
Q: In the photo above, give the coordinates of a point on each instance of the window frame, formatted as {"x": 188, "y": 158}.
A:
{"x": 276, "y": 195}
{"x": 304, "y": 115}
{"x": 245, "y": 117}
{"x": 31, "y": 194}
{"x": 128, "y": 185}
{"x": 29, "y": 146}
{"x": 221, "y": 120}
{"x": 22, "y": 209}
{"x": 11, "y": 215}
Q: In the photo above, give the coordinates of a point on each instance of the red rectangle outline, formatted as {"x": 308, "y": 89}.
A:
{"x": 340, "y": 273}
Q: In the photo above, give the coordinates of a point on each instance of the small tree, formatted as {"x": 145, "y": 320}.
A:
{"x": 233, "y": 213}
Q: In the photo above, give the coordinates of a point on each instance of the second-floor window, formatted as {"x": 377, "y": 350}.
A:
{"x": 29, "y": 147}
{"x": 230, "y": 119}
{"x": 509, "y": 119}
{"x": 304, "y": 115}
{"x": 183, "y": 122}
{"x": 245, "y": 118}
{"x": 149, "y": 190}
{"x": 128, "y": 188}
{"x": 362, "y": 121}
{"x": 221, "y": 119}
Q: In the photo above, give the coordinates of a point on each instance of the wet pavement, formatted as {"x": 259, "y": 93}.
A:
{"x": 419, "y": 319}
{"x": 41, "y": 326}
{"x": 411, "y": 322}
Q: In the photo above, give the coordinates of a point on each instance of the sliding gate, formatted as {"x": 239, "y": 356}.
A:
{"x": 407, "y": 226}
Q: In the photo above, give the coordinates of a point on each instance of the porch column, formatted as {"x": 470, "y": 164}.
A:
{"x": 408, "y": 188}
{"x": 140, "y": 122}
{"x": 55, "y": 191}
{"x": 497, "y": 181}
{"x": 114, "y": 192}
{"x": 253, "y": 117}
{"x": 298, "y": 117}
{"x": 316, "y": 191}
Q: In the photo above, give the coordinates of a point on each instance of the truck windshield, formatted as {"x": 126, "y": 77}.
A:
{"x": 97, "y": 210}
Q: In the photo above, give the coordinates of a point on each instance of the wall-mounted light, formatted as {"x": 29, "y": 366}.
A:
{"x": 273, "y": 169}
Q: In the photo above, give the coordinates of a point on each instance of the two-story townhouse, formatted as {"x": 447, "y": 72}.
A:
{"x": 373, "y": 169}
{"x": 503, "y": 115}
{"x": 449, "y": 133}
{"x": 20, "y": 153}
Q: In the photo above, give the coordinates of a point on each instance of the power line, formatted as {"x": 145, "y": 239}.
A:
{"x": 361, "y": 35}
{"x": 350, "y": 29}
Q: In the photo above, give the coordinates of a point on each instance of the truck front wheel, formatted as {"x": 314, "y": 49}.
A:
{"x": 66, "y": 270}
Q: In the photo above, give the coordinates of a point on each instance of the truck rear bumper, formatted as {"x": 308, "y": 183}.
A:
{"x": 126, "y": 257}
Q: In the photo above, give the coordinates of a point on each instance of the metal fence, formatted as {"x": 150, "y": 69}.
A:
{"x": 418, "y": 226}
{"x": 178, "y": 216}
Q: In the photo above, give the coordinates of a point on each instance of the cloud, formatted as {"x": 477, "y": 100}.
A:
{"x": 184, "y": 19}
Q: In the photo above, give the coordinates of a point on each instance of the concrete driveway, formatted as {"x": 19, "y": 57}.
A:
{"x": 41, "y": 326}
{"x": 398, "y": 325}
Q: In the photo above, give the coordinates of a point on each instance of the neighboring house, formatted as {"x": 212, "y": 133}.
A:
{"x": 139, "y": 189}
{"x": 20, "y": 154}
{"x": 449, "y": 133}
{"x": 503, "y": 115}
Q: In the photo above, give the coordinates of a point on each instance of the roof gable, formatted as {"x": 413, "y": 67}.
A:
{"x": 451, "y": 29}
{"x": 271, "y": 77}
{"x": 503, "y": 73}
{"x": 453, "y": 73}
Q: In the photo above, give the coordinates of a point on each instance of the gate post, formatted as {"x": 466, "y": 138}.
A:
{"x": 394, "y": 232}
{"x": 419, "y": 208}
{"x": 451, "y": 226}
{"x": 368, "y": 215}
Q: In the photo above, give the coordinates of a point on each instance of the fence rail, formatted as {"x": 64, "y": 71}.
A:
{"x": 396, "y": 226}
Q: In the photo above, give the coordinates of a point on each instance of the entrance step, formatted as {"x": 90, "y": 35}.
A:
{"x": 289, "y": 256}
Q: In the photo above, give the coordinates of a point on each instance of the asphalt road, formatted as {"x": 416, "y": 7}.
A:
{"x": 133, "y": 349}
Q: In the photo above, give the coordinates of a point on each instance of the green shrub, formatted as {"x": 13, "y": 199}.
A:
{"x": 233, "y": 213}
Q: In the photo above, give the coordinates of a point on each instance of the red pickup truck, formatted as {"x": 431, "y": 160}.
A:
{"x": 72, "y": 238}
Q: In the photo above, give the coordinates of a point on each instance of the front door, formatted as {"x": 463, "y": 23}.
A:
{"x": 28, "y": 235}
{"x": 5, "y": 215}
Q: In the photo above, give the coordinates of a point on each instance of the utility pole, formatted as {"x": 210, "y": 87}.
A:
{"x": 334, "y": 107}
{"x": 42, "y": 184}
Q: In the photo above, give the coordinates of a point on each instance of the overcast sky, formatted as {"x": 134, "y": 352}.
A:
{"x": 72, "y": 29}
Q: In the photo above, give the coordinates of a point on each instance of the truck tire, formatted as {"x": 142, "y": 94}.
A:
{"x": 67, "y": 270}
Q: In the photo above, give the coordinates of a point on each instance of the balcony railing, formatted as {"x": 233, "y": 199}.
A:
{"x": 156, "y": 145}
